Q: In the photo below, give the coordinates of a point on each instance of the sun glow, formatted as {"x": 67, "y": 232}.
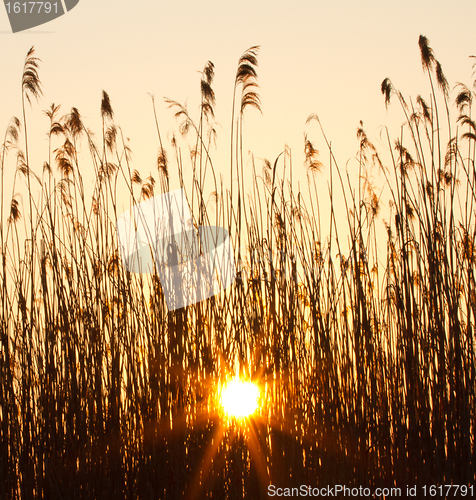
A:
{"x": 239, "y": 399}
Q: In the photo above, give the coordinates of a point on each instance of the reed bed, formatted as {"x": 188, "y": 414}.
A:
{"x": 359, "y": 333}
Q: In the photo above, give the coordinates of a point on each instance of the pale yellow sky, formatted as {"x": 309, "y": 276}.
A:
{"x": 327, "y": 58}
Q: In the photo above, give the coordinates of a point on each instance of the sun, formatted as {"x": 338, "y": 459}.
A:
{"x": 239, "y": 399}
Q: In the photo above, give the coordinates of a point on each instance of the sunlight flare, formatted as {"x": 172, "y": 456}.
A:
{"x": 239, "y": 398}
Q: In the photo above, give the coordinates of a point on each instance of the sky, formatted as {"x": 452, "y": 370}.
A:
{"x": 327, "y": 58}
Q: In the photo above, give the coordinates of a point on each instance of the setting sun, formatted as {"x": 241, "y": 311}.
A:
{"x": 239, "y": 399}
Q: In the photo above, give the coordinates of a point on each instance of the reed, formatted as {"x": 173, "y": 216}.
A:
{"x": 360, "y": 334}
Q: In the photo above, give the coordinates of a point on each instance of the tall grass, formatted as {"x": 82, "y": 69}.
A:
{"x": 363, "y": 345}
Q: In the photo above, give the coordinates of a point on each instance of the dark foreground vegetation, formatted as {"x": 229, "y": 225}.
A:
{"x": 358, "y": 328}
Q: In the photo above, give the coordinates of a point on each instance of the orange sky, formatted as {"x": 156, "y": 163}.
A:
{"x": 318, "y": 57}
